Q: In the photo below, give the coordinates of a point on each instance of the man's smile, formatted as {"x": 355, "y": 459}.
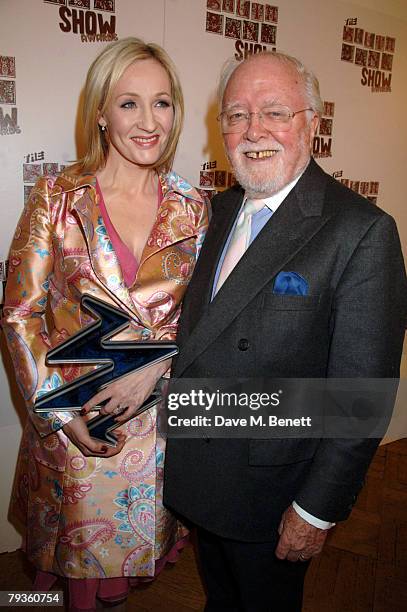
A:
{"x": 261, "y": 154}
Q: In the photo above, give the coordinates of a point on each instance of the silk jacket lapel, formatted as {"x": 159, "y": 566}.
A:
{"x": 83, "y": 205}
{"x": 296, "y": 221}
{"x": 176, "y": 196}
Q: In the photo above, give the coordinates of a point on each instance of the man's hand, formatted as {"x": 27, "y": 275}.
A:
{"x": 299, "y": 540}
{"x": 78, "y": 434}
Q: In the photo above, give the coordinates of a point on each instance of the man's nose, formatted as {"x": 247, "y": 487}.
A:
{"x": 255, "y": 128}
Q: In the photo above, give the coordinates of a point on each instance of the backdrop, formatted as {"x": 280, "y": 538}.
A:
{"x": 46, "y": 46}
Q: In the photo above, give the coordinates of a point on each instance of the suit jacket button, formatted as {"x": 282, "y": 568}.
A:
{"x": 243, "y": 344}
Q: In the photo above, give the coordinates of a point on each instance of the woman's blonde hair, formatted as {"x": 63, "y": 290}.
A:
{"x": 101, "y": 79}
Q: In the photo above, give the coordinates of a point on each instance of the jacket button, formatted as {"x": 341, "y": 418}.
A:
{"x": 243, "y": 344}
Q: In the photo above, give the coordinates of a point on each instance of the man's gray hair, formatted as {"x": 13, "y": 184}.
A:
{"x": 310, "y": 81}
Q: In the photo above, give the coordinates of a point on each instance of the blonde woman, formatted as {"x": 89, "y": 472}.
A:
{"x": 121, "y": 226}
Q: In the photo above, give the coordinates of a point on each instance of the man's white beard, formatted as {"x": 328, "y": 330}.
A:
{"x": 259, "y": 185}
{"x": 256, "y": 184}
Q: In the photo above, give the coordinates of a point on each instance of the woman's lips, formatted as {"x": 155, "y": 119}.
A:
{"x": 145, "y": 141}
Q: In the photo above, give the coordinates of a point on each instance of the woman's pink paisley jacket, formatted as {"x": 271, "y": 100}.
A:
{"x": 92, "y": 517}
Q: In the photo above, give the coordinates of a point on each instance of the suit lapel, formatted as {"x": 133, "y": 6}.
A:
{"x": 200, "y": 288}
{"x": 295, "y": 222}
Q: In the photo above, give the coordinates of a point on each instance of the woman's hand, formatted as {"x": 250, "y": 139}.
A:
{"x": 78, "y": 434}
{"x": 126, "y": 395}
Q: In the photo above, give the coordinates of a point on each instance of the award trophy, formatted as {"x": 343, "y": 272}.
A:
{"x": 93, "y": 345}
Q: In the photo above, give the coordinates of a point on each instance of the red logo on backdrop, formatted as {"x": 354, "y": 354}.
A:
{"x": 372, "y": 52}
{"x": 94, "y": 20}
{"x": 8, "y": 116}
{"x": 368, "y": 189}
{"x": 35, "y": 166}
{"x": 212, "y": 179}
{"x": 322, "y": 145}
{"x": 253, "y": 25}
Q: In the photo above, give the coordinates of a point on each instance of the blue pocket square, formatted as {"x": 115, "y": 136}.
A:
{"x": 290, "y": 283}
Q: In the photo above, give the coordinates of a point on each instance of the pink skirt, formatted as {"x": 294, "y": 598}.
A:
{"x": 83, "y": 591}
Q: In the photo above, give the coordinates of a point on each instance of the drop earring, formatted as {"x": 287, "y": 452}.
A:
{"x": 103, "y": 128}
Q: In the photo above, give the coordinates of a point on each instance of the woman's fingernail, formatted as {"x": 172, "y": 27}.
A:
{"x": 103, "y": 449}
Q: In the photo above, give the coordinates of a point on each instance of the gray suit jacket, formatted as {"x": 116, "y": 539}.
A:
{"x": 351, "y": 324}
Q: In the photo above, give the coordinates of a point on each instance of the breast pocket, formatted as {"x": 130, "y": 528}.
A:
{"x": 290, "y": 302}
{"x": 293, "y": 334}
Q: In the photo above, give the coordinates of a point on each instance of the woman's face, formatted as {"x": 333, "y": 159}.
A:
{"x": 140, "y": 114}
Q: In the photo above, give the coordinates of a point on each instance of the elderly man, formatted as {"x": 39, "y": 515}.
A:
{"x": 298, "y": 277}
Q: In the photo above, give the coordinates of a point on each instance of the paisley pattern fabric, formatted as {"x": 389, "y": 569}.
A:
{"x": 91, "y": 517}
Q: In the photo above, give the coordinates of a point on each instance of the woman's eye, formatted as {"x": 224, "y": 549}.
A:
{"x": 163, "y": 104}
{"x": 129, "y": 104}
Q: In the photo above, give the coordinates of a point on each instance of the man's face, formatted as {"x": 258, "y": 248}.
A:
{"x": 260, "y": 82}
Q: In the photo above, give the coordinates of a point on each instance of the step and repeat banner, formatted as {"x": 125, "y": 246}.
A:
{"x": 46, "y": 47}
